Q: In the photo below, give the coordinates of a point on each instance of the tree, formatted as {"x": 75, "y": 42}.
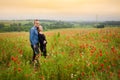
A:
{"x": 1, "y": 25}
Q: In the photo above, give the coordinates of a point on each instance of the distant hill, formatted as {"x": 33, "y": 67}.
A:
{"x": 25, "y": 25}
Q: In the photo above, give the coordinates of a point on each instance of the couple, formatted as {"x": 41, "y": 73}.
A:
{"x": 36, "y": 38}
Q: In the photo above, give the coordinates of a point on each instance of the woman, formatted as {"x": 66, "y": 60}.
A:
{"x": 42, "y": 41}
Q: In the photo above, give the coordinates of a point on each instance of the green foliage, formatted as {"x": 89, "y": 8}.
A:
{"x": 25, "y": 25}
{"x": 73, "y": 54}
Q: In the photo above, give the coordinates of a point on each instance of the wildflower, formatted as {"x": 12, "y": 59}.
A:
{"x": 8, "y": 64}
{"x": 62, "y": 53}
{"x": 111, "y": 74}
{"x": 119, "y": 74}
{"x": 92, "y": 51}
{"x": 26, "y": 75}
{"x": 71, "y": 75}
{"x": 102, "y": 65}
{"x": 105, "y": 60}
{"x": 100, "y": 54}
{"x": 42, "y": 77}
{"x": 93, "y": 74}
{"x": 113, "y": 50}
{"x": 14, "y": 68}
{"x": 106, "y": 53}
{"x": 20, "y": 51}
{"x": 81, "y": 55}
{"x": 14, "y": 59}
{"x": 19, "y": 69}
{"x": 108, "y": 67}
{"x": 18, "y": 62}
{"x": 83, "y": 74}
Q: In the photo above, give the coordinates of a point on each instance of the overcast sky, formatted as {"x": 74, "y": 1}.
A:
{"x": 82, "y": 10}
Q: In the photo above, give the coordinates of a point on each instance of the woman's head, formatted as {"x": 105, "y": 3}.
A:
{"x": 40, "y": 29}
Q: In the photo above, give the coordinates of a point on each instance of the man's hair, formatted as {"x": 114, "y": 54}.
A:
{"x": 36, "y": 20}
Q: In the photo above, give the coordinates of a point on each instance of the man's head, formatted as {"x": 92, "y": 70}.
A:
{"x": 36, "y": 23}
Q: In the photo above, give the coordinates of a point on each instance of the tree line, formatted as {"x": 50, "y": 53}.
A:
{"x": 25, "y": 25}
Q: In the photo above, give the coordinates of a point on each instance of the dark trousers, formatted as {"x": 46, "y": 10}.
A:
{"x": 43, "y": 50}
{"x": 35, "y": 51}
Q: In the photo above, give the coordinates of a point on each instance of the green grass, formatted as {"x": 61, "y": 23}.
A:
{"x": 73, "y": 54}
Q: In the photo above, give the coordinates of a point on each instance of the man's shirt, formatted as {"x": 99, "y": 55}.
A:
{"x": 33, "y": 36}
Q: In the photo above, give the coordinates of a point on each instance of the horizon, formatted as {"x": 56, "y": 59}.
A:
{"x": 57, "y": 20}
{"x": 64, "y": 10}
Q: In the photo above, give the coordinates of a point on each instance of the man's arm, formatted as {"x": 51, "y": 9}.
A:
{"x": 32, "y": 37}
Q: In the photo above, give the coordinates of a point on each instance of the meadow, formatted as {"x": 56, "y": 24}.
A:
{"x": 73, "y": 54}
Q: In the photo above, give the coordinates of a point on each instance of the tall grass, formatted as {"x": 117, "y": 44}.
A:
{"x": 78, "y": 54}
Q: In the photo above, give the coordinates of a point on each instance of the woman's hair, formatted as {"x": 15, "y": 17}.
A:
{"x": 40, "y": 28}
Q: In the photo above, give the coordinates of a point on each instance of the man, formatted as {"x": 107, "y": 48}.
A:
{"x": 34, "y": 39}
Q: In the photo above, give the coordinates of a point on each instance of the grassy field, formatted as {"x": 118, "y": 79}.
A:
{"x": 73, "y": 54}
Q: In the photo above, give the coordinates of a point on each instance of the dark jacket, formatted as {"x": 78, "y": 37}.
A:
{"x": 42, "y": 38}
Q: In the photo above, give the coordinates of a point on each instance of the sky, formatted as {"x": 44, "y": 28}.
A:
{"x": 70, "y": 10}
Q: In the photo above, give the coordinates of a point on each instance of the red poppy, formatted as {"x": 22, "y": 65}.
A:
{"x": 19, "y": 69}
{"x": 14, "y": 58}
{"x": 102, "y": 65}
{"x": 113, "y": 50}
{"x": 83, "y": 74}
{"x": 100, "y": 54}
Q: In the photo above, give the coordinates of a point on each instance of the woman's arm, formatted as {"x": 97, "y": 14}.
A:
{"x": 45, "y": 41}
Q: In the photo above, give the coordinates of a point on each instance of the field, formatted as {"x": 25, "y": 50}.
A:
{"x": 73, "y": 54}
